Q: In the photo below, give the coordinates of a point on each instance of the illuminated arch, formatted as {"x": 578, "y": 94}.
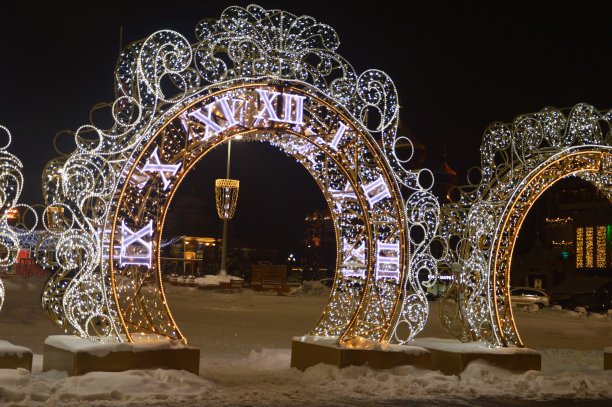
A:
{"x": 266, "y": 75}
{"x": 11, "y": 185}
{"x": 519, "y": 162}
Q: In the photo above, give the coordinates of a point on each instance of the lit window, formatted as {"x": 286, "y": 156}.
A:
{"x": 601, "y": 247}
{"x": 579, "y": 248}
{"x": 588, "y": 255}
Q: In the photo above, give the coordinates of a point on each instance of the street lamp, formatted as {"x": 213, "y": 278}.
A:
{"x": 226, "y": 197}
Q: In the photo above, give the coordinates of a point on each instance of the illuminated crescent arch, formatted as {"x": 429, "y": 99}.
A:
{"x": 11, "y": 185}
{"x": 519, "y": 162}
{"x": 264, "y": 75}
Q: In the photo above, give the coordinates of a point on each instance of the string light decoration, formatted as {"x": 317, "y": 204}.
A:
{"x": 588, "y": 247}
{"x": 260, "y": 75}
{"x": 11, "y": 184}
{"x": 579, "y": 248}
{"x": 226, "y": 197}
{"x": 600, "y": 248}
{"x": 520, "y": 160}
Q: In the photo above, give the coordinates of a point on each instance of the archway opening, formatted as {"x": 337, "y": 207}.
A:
{"x": 590, "y": 162}
{"x": 563, "y": 259}
{"x": 269, "y": 233}
{"x": 346, "y": 164}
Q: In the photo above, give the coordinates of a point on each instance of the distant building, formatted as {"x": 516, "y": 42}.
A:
{"x": 575, "y": 219}
{"x": 537, "y": 268}
{"x": 191, "y": 215}
{"x": 445, "y": 179}
{"x": 319, "y": 252}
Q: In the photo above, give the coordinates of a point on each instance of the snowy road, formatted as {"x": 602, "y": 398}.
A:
{"x": 245, "y": 338}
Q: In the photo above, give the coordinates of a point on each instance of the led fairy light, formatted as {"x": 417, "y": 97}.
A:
{"x": 11, "y": 184}
{"x": 116, "y": 186}
{"x": 600, "y": 248}
{"x": 519, "y": 162}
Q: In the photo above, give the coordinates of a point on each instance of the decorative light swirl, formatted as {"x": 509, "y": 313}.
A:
{"x": 11, "y": 184}
{"x": 480, "y": 225}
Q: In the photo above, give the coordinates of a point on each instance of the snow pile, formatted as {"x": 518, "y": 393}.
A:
{"x": 482, "y": 379}
{"x": 311, "y": 289}
{"x": 264, "y": 378}
{"x": 580, "y": 310}
{"x": 558, "y": 361}
{"x": 269, "y": 359}
{"x": 211, "y": 280}
{"x": 117, "y": 388}
{"x": 478, "y": 380}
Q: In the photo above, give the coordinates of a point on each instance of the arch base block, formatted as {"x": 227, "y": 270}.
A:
{"x": 13, "y": 356}
{"x": 78, "y": 356}
{"x": 607, "y": 358}
{"x": 451, "y": 356}
{"x": 308, "y": 351}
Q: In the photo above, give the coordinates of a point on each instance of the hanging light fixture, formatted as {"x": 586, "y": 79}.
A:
{"x": 226, "y": 196}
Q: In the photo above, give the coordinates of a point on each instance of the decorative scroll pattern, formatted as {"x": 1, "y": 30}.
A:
{"x": 11, "y": 184}
{"x": 258, "y": 67}
{"x": 519, "y": 161}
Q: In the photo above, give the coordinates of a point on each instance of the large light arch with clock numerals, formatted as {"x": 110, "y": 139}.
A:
{"x": 263, "y": 75}
{"x": 358, "y": 185}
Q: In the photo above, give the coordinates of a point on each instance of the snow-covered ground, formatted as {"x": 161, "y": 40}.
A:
{"x": 245, "y": 340}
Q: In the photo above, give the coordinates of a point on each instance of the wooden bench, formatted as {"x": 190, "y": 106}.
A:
{"x": 235, "y": 283}
{"x": 273, "y": 283}
{"x": 269, "y": 277}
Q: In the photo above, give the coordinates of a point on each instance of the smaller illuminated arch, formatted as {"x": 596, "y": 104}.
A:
{"x": 519, "y": 162}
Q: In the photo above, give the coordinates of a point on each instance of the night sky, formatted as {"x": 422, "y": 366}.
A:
{"x": 457, "y": 68}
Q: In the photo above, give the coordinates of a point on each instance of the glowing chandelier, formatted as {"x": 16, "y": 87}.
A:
{"x": 226, "y": 197}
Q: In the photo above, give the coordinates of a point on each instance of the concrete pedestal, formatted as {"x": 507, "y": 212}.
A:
{"x": 79, "y": 356}
{"x": 308, "y": 351}
{"x": 13, "y": 356}
{"x": 451, "y": 356}
{"x": 607, "y": 358}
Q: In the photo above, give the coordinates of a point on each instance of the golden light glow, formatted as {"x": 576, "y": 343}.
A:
{"x": 226, "y": 197}
{"x": 588, "y": 247}
{"x": 579, "y": 248}
{"x": 560, "y": 221}
{"x": 600, "y": 247}
{"x": 12, "y": 214}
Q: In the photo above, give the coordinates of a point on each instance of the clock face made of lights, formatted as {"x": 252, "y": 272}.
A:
{"x": 347, "y": 165}
{"x": 264, "y": 76}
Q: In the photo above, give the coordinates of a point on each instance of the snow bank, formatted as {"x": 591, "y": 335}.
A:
{"x": 210, "y": 280}
{"x": 482, "y": 379}
{"x": 478, "y": 380}
{"x": 264, "y": 378}
{"x": 269, "y": 359}
{"x": 137, "y": 387}
{"x": 311, "y": 289}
